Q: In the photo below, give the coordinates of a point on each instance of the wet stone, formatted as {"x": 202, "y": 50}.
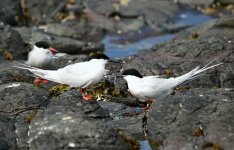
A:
{"x": 176, "y": 119}
{"x": 73, "y": 100}
{"x": 21, "y": 124}
{"x": 71, "y": 122}
{"x": 196, "y": 3}
{"x": 11, "y": 75}
{"x": 18, "y": 97}
{"x": 76, "y": 30}
{"x": 44, "y": 11}
{"x": 129, "y": 15}
{"x": 63, "y": 60}
{"x": 7, "y": 133}
{"x": 11, "y": 44}
{"x": 11, "y": 13}
{"x": 62, "y": 43}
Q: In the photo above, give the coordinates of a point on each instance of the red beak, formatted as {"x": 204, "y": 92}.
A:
{"x": 53, "y": 50}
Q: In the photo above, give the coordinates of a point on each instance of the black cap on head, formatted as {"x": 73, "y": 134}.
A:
{"x": 99, "y": 56}
{"x": 132, "y": 72}
{"x": 42, "y": 44}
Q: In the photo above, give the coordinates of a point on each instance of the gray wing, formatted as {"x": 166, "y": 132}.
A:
{"x": 154, "y": 87}
{"x": 75, "y": 75}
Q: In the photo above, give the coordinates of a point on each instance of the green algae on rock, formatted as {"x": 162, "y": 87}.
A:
{"x": 132, "y": 143}
{"x": 106, "y": 88}
{"x": 57, "y": 89}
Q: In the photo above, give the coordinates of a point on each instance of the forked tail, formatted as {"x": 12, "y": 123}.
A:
{"x": 195, "y": 73}
{"x": 50, "y": 75}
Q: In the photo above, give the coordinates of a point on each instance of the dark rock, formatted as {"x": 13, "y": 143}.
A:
{"x": 190, "y": 119}
{"x": 9, "y": 74}
{"x": 11, "y": 12}
{"x": 73, "y": 100}
{"x": 65, "y": 60}
{"x": 195, "y": 3}
{"x": 68, "y": 123}
{"x": 21, "y": 102}
{"x": 81, "y": 31}
{"x": 131, "y": 125}
{"x": 129, "y": 16}
{"x": 19, "y": 97}
{"x": 225, "y": 1}
{"x": 118, "y": 110}
{"x": 220, "y": 27}
{"x": 63, "y": 44}
{"x": 7, "y": 133}
{"x": 11, "y": 44}
{"x": 44, "y": 11}
{"x": 152, "y": 10}
{"x": 22, "y": 125}
{"x": 5, "y": 65}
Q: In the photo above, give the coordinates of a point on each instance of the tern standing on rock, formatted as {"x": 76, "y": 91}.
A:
{"x": 82, "y": 75}
{"x": 41, "y": 56}
{"x": 152, "y": 88}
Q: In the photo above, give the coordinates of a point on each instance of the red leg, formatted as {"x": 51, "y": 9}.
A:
{"x": 147, "y": 107}
{"x": 44, "y": 80}
{"x": 82, "y": 91}
{"x": 85, "y": 95}
{"x": 38, "y": 80}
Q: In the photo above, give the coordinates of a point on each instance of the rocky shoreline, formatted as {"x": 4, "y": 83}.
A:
{"x": 198, "y": 115}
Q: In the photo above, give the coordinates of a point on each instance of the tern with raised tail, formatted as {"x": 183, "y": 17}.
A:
{"x": 152, "y": 88}
{"x": 81, "y": 75}
{"x": 41, "y": 56}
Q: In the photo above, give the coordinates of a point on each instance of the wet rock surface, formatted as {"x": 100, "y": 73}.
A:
{"x": 70, "y": 120}
{"x": 72, "y": 131}
{"x": 19, "y": 101}
{"x": 120, "y": 15}
{"x": 7, "y": 133}
{"x": 195, "y": 3}
{"x": 72, "y": 99}
{"x": 191, "y": 119}
{"x": 9, "y": 76}
{"x": 11, "y": 13}
{"x": 62, "y": 43}
{"x": 12, "y": 45}
{"x": 20, "y": 97}
{"x": 44, "y": 11}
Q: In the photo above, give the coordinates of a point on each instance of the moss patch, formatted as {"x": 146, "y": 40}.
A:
{"x": 197, "y": 132}
{"x": 155, "y": 143}
{"x": 131, "y": 114}
{"x": 132, "y": 143}
{"x": 6, "y": 55}
{"x": 193, "y": 35}
{"x": 28, "y": 118}
{"x": 169, "y": 73}
{"x": 17, "y": 78}
{"x": 213, "y": 146}
{"x": 58, "y": 89}
{"x": 106, "y": 88}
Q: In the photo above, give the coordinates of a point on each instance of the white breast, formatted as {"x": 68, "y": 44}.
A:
{"x": 40, "y": 58}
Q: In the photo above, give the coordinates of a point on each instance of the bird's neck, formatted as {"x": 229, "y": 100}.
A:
{"x": 132, "y": 80}
{"x": 98, "y": 61}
